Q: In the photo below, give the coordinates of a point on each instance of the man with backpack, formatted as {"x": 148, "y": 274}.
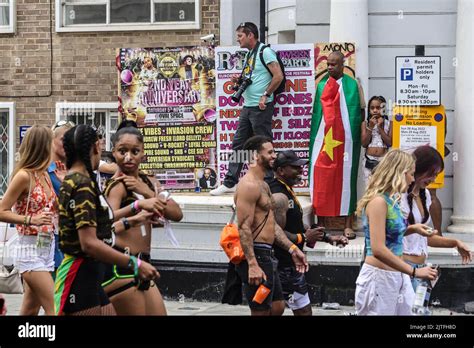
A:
{"x": 262, "y": 77}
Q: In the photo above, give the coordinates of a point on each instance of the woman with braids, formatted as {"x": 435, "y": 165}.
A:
{"x": 376, "y": 135}
{"x": 87, "y": 231}
{"x": 122, "y": 191}
{"x": 383, "y": 285}
{"x": 416, "y": 203}
{"x": 32, "y": 196}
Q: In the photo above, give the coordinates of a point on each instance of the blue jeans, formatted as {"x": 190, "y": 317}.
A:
{"x": 415, "y": 281}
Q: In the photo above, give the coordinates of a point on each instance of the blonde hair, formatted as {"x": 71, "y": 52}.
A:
{"x": 35, "y": 150}
{"x": 388, "y": 177}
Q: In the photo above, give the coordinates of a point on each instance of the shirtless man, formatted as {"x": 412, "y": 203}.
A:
{"x": 258, "y": 231}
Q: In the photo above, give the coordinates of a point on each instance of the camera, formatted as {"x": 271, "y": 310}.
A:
{"x": 208, "y": 38}
{"x": 240, "y": 88}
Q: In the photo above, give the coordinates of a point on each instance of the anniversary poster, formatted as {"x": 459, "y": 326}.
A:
{"x": 293, "y": 108}
{"x": 170, "y": 94}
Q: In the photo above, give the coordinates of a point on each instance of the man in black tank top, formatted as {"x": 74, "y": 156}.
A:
{"x": 288, "y": 169}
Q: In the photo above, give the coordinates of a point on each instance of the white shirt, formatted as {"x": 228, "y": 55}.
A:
{"x": 415, "y": 244}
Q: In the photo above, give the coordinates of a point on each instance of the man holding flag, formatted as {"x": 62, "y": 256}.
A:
{"x": 335, "y": 143}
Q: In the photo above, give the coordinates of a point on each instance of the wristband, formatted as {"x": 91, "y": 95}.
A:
{"x": 139, "y": 262}
{"x": 326, "y": 237}
{"x": 292, "y": 249}
{"x": 413, "y": 274}
{"x": 299, "y": 238}
{"x": 137, "y": 206}
{"x": 126, "y": 223}
{"x": 133, "y": 264}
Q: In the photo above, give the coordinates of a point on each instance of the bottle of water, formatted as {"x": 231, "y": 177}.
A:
{"x": 422, "y": 297}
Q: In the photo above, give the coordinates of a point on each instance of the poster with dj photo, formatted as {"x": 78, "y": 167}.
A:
{"x": 293, "y": 108}
{"x": 170, "y": 94}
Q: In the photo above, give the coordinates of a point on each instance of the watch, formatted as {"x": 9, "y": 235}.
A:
{"x": 266, "y": 94}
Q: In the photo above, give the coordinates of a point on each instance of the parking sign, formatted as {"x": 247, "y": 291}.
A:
{"x": 418, "y": 80}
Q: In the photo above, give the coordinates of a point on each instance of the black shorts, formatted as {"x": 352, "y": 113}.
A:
{"x": 86, "y": 291}
{"x": 292, "y": 281}
{"x": 114, "y": 272}
{"x": 268, "y": 263}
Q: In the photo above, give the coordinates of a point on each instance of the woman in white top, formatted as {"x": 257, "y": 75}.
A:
{"x": 376, "y": 135}
{"x": 416, "y": 203}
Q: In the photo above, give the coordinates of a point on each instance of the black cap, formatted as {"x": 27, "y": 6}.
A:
{"x": 288, "y": 158}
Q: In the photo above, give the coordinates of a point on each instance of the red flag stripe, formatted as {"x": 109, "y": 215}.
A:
{"x": 329, "y": 173}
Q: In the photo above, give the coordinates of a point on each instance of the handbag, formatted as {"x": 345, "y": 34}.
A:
{"x": 370, "y": 163}
{"x": 10, "y": 280}
{"x": 230, "y": 239}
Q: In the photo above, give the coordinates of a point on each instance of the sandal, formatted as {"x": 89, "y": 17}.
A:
{"x": 349, "y": 233}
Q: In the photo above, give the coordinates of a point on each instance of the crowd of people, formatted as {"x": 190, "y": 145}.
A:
{"x": 85, "y": 244}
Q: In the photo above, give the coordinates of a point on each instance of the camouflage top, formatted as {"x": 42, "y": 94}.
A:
{"x": 80, "y": 206}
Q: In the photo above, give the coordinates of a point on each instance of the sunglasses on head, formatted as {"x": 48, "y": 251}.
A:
{"x": 61, "y": 123}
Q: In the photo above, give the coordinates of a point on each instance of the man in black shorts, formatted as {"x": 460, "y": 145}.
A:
{"x": 288, "y": 169}
{"x": 259, "y": 233}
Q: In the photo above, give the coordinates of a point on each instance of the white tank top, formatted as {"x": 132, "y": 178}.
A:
{"x": 377, "y": 140}
{"x": 415, "y": 244}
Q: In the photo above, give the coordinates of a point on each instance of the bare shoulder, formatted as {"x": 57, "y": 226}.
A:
{"x": 247, "y": 189}
{"x": 377, "y": 205}
{"x": 21, "y": 178}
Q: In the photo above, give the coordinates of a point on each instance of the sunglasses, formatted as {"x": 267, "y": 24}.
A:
{"x": 61, "y": 123}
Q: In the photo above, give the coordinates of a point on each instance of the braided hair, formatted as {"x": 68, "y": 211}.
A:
{"x": 428, "y": 162}
{"x": 78, "y": 142}
{"x": 379, "y": 98}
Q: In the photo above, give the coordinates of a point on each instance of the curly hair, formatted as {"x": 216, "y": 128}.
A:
{"x": 388, "y": 177}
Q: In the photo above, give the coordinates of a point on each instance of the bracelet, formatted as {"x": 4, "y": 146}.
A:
{"x": 292, "y": 249}
{"x": 137, "y": 206}
{"x": 299, "y": 238}
{"x": 126, "y": 223}
{"x": 139, "y": 262}
{"x": 326, "y": 237}
{"x": 132, "y": 262}
{"x": 134, "y": 207}
{"x": 413, "y": 274}
{"x": 25, "y": 220}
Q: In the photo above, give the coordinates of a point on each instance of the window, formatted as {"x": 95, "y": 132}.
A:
{"x": 7, "y": 143}
{"x": 103, "y": 116}
{"x": 7, "y": 16}
{"x": 112, "y": 15}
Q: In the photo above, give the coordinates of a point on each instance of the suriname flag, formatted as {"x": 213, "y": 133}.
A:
{"x": 335, "y": 147}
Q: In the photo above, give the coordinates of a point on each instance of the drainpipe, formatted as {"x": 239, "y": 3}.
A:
{"x": 263, "y": 24}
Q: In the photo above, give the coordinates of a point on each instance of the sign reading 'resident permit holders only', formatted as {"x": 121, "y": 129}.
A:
{"x": 418, "y": 80}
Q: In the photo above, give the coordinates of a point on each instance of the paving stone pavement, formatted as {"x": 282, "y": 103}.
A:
{"x": 194, "y": 308}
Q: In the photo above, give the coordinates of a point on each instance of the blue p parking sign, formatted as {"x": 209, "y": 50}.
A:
{"x": 407, "y": 74}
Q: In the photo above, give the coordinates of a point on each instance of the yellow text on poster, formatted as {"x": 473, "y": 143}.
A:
{"x": 416, "y": 126}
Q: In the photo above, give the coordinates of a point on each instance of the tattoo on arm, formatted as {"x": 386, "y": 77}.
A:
{"x": 246, "y": 239}
{"x": 280, "y": 208}
{"x": 281, "y": 239}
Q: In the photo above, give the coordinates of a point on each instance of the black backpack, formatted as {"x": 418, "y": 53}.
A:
{"x": 281, "y": 87}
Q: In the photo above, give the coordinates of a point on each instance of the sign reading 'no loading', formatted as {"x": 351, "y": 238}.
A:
{"x": 418, "y": 80}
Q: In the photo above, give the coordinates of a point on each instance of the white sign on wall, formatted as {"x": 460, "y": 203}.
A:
{"x": 418, "y": 80}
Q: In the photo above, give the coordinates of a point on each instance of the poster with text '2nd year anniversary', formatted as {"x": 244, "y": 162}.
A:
{"x": 170, "y": 93}
{"x": 293, "y": 108}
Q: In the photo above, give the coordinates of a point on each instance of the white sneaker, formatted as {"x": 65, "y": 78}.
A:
{"x": 222, "y": 190}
